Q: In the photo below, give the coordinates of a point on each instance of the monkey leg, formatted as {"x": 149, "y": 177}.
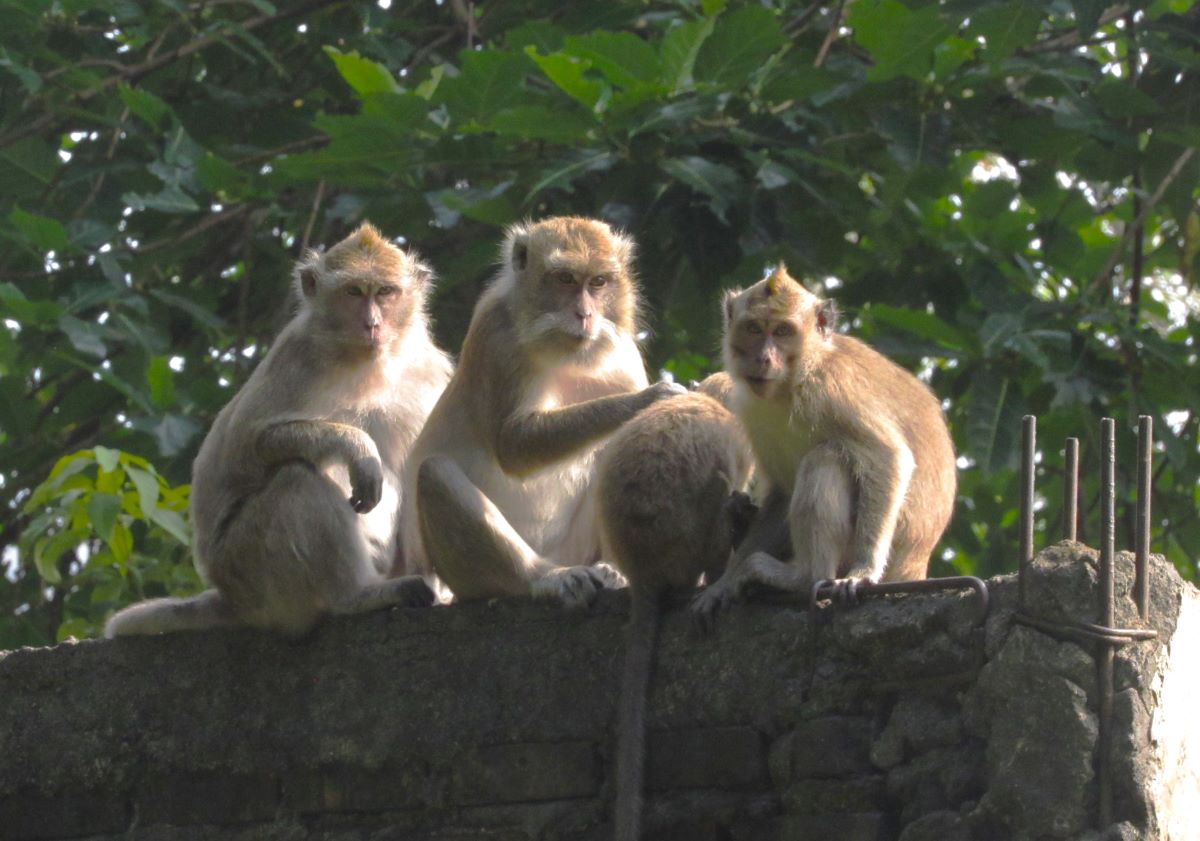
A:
{"x": 821, "y": 515}
{"x": 478, "y": 554}
{"x": 293, "y": 553}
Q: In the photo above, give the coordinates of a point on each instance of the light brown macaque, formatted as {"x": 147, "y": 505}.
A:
{"x": 666, "y": 484}
{"x": 502, "y": 473}
{"x": 854, "y": 450}
{"x": 296, "y": 489}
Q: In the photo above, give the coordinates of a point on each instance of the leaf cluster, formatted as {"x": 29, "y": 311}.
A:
{"x": 1002, "y": 195}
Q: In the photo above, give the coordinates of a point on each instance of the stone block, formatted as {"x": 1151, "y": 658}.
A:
{"x": 525, "y": 772}
{"x": 180, "y": 798}
{"x": 868, "y": 826}
{"x": 824, "y": 747}
{"x": 937, "y": 826}
{"x": 346, "y": 789}
{"x": 718, "y": 757}
{"x": 33, "y": 816}
{"x": 823, "y": 797}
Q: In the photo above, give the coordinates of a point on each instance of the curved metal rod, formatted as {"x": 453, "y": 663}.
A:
{"x": 826, "y": 588}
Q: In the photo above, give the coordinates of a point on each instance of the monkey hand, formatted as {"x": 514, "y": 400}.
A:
{"x": 662, "y": 389}
{"x": 366, "y": 483}
{"x": 709, "y": 602}
{"x": 576, "y": 586}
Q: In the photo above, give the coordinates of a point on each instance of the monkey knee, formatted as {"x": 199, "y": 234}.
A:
{"x": 436, "y": 478}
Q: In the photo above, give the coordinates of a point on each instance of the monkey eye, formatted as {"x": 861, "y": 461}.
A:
{"x": 598, "y": 281}
{"x": 354, "y": 291}
{"x": 387, "y": 291}
{"x": 784, "y": 330}
{"x": 754, "y": 328}
{"x": 562, "y": 277}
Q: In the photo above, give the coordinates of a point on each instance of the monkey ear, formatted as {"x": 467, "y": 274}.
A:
{"x": 727, "y": 304}
{"x": 306, "y": 273}
{"x": 520, "y": 254}
{"x": 827, "y": 316}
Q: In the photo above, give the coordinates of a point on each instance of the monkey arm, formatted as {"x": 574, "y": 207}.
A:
{"x": 533, "y": 440}
{"x": 317, "y": 442}
{"x": 768, "y": 530}
{"x": 884, "y": 468}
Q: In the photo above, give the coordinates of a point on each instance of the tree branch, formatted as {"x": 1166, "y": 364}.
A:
{"x": 137, "y": 71}
{"x": 1139, "y": 222}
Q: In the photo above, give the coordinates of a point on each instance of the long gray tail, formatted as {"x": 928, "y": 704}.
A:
{"x": 631, "y": 715}
{"x": 157, "y": 616}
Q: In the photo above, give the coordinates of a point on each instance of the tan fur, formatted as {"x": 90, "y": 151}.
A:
{"x": 854, "y": 446}
{"x": 501, "y": 474}
{"x": 296, "y": 489}
{"x": 662, "y": 486}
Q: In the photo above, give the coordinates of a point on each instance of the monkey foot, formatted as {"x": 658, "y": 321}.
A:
{"x": 414, "y": 591}
{"x": 845, "y": 590}
{"x": 708, "y": 603}
{"x": 574, "y": 586}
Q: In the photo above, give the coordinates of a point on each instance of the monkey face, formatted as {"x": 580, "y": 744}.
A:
{"x": 364, "y": 293}
{"x": 369, "y": 314}
{"x": 573, "y": 287}
{"x": 774, "y": 332}
{"x": 763, "y": 352}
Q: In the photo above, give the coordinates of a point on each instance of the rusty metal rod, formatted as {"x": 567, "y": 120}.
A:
{"x": 1108, "y": 529}
{"x": 1141, "y": 582}
{"x": 1028, "y": 447}
{"x": 1071, "y": 491}
{"x": 826, "y": 589}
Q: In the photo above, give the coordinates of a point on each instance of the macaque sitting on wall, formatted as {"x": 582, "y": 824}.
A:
{"x": 296, "y": 489}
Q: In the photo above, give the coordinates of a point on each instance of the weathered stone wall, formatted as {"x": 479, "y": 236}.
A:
{"x": 902, "y": 718}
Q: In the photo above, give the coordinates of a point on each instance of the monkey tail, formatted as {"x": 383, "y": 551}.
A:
{"x": 156, "y": 616}
{"x": 631, "y": 716}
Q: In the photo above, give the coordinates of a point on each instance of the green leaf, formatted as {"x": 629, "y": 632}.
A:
{"x": 624, "y": 58}
{"x": 48, "y": 550}
{"x": 1087, "y": 15}
{"x": 171, "y": 200}
{"x": 85, "y": 337}
{"x": 362, "y": 74}
{"x": 567, "y": 169}
{"x": 741, "y": 42}
{"x": 14, "y": 304}
{"x": 1006, "y": 28}
{"x": 147, "y": 488}
{"x": 490, "y": 81}
{"x": 717, "y": 181}
{"x": 121, "y": 543}
{"x": 202, "y": 314}
{"x": 106, "y": 458}
{"x": 29, "y": 77}
{"x": 42, "y": 232}
{"x": 920, "y": 323}
{"x": 172, "y": 523}
{"x": 993, "y": 420}
{"x": 679, "y": 49}
{"x": 160, "y": 380}
{"x": 567, "y": 72}
{"x": 1120, "y": 100}
{"x": 145, "y": 104}
{"x": 102, "y": 510}
{"x": 899, "y": 39}
{"x": 535, "y": 122}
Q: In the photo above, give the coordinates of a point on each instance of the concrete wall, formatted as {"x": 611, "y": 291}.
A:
{"x": 903, "y": 718}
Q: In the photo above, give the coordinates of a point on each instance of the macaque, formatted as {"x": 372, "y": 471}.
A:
{"x": 669, "y": 484}
{"x": 855, "y": 452}
{"x": 500, "y": 478}
{"x": 296, "y": 489}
